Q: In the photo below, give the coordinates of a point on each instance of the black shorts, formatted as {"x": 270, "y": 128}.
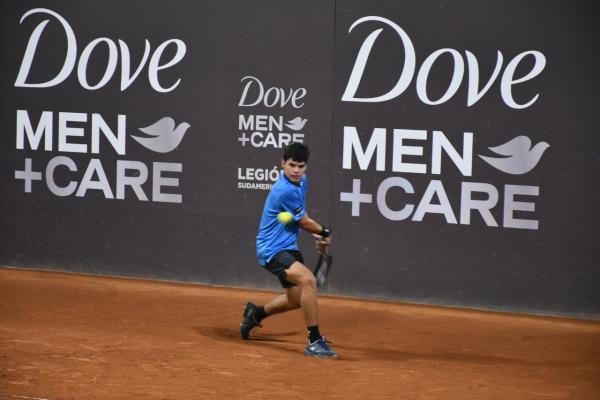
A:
{"x": 281, "y": 262}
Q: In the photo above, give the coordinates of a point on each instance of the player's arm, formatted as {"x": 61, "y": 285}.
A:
{"x": 321, "y": 233}
{"x": 310, "y": 225}
{"x": 292, "y": 203}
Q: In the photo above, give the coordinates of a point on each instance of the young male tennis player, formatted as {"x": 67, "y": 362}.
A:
{"x": 277, "y": 251}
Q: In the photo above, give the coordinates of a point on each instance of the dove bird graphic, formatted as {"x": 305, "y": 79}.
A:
{"x": 164, "y": 136}
{"x": 519, "y": 157}
{"x": 296, "y": 123}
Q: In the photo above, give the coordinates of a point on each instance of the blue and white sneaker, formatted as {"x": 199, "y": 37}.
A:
{"x": 320, "y": 349}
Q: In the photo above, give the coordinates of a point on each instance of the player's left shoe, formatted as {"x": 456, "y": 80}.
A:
{"x": 248, "y": 320}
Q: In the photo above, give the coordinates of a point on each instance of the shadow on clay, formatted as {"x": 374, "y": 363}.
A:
{"x": 355, "y": 353}
{"x": 230, "y": 334}
{"x": 274, "y": 341}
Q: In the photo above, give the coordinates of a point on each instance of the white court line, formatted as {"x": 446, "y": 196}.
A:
{"x": 25, "y": 397}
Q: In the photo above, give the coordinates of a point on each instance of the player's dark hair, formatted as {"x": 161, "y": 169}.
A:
{"x": 296, "y": 151}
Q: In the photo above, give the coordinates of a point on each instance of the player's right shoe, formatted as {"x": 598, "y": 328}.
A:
{"x": 319, "y": 348}
{"x": 248, "y": 320}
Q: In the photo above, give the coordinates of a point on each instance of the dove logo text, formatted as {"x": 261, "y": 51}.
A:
{"x": 156, "y": 61}
{"x": 475, "y": 198}
{"x": 376, "y": 147}
{"x": 474, "y": 91}
{"x": 264, "y": 131}
{"x": 61, "y": 171}
{"x": 263, "y": 123}
{"x": 70, "y": 132}
{"x": 270, "y": 139}
{"x": 254, "y": 93}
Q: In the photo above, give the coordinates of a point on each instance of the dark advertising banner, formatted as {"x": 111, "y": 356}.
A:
{"x": 453, "y": 144}
{"x": 141, "y": 138}
{"x": 466, "y": 152}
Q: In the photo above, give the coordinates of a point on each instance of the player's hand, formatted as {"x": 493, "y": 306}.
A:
{"x": 322, "y": 243}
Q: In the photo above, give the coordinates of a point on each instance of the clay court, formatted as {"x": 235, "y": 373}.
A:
{"x": 66, "y": 336}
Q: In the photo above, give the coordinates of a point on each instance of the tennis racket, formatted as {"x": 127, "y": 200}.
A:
{"x": 323, "y": 268}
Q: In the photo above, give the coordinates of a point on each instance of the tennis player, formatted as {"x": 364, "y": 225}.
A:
{"x": 277, "y": 251}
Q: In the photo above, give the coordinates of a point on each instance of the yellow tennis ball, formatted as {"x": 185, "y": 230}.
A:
{"x": 285, "y": 217}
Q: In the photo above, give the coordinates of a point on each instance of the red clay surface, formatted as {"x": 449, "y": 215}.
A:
{"x": 65, "y": 336}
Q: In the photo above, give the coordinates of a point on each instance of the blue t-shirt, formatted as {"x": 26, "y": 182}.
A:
{"x": 274, "y": 236}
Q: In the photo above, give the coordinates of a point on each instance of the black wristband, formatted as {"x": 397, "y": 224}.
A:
{"x": 325, "y": 232}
